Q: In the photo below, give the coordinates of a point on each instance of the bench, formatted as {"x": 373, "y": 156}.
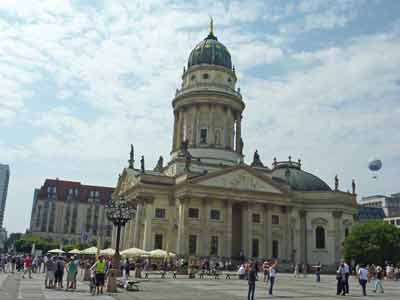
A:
{"x": 210, "y": 274}
{"x": 162, "y": 273}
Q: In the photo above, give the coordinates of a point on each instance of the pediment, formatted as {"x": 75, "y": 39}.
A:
{"x": 127, "y": 180}
{"x": 240, "y": 179}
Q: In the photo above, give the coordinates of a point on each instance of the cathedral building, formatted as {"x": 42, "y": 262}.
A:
{"x": 207, "y": 202}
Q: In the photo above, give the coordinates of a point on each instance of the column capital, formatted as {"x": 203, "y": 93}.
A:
{"x": 145, "y": 198}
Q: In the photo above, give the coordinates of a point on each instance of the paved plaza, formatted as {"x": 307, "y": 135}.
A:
{"x": 287, "y": 287}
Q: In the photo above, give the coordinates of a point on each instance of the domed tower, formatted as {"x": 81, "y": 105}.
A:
{"x": 207, "y": 108}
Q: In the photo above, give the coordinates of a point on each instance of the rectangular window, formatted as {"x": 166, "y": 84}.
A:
{"x": 275, "y": 220}
{"x": 203, "y": 136}
{"x": 275, "y": 248}
{"x": 214, "y": 246}
{"x": 255, "y": 248}
{"x": 256, "y": 218}
{"x": 160, "y": 213}
{"x": 192, "y": 244}
{"x": 398, "y": 222}
{"x": 194, "y": 213}
{"x": 215, "y": 214}
{"x": 158, "y": 241}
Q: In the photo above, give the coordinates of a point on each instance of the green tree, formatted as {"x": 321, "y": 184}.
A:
{"x": 373, "y": 242}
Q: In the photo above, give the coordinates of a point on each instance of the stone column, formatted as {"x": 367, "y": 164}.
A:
{"x": 137, "y": 220}
{"x": 286, "y": 235}
{"x": 147, "y": 239}
{"x": 181, "y": 242}
{"x": 250, "y": 229}
{"x": 171, "y": 231}
{"x": 238, "y": 132}
{"x": 227, "y": 129}
{"x": 303, "y": 236}
{"x": 228, "y": 232}
{"x": 337, "y": 217}
{"x": 193, "y": 138}
{"x": 211, "y": 125}
{"x": 245, "y": 229}
{"x": 174, "y": 138}
{"x": 180, "y": 128}
{"x": 267, "y": 231}
{"x": 205, "y": 236}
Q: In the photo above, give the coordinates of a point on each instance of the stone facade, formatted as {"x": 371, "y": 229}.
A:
{"x": 71, "y": 213}
{"x": 206, "y": 202}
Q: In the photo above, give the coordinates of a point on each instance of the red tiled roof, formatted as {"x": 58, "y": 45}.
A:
{"x": 63, "y": 186}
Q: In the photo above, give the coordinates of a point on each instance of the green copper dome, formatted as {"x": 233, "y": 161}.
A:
{"x": 298, "y": 179}
{"x": 210, "y": 51}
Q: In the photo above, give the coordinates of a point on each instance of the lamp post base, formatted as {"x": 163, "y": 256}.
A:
{"x": 114, "y": 273}
{"x": 112, "y": 281}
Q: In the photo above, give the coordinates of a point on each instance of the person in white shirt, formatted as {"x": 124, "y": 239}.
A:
{"x": 363, "y": 278}
{"x": 347, "y": 275}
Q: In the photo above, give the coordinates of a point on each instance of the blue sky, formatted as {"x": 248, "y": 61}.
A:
{"x": 82, "y": 80}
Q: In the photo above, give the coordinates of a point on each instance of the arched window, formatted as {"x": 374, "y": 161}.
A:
{"x": 320, "y": 237}
{"x": 346, "y": 232}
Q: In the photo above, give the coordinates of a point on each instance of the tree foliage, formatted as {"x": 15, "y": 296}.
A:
{"x": 373, "y": 242}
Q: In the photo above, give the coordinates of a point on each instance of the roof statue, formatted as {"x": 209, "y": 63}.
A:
{"x": 256, "y": 160}
{"x": 131, "y": 160}
{"x": 353, "y": 186}
{"x": 241, "y": 145}
{"x": 159, "y": 165}
{"x": 211, "y": 26}
{"x": 336, "y": 183}
{"x": 184, "y": 148}
{"x": 142, "y": 164}
{"x": 188, "y": 160}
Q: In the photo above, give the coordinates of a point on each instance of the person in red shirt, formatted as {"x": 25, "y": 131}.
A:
{"x": 27, "y": 266}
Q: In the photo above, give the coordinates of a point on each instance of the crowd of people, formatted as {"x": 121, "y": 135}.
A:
{"x": 59, "y": 268}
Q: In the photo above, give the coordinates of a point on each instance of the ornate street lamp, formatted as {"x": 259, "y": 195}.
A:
{"x": 119, "y": 212}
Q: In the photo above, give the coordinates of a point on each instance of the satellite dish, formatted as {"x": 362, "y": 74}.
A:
{"x": 375, "y": 165}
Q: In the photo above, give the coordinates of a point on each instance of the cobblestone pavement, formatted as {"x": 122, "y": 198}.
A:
{"x": 286, "y": 287}
{"x": 12, "y": 287}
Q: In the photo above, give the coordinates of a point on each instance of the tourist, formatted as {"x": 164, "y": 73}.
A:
{"x": 59, "y": 272}
{"x": 100, "y": 271}
{"x": 318, "y": 272}
{"x": 127, "y": 268}
{"x": 45, "y": 260}
{"x": 347, "y": 275}
{"x": 50, "y": 266}
{"x": 378, "y": 279}
{"x": 71, "y": 269}
{"x": 242, "y": 272}
{"x": 296, "y": 270}
{"x": 272, "y": 276}
{"x": 341, "y": 279}
{"x": 266, "y": 270}
{"x": 252, "y": 277}
{"x": 363, "y": 275}
{"x": 27, "y": 266}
